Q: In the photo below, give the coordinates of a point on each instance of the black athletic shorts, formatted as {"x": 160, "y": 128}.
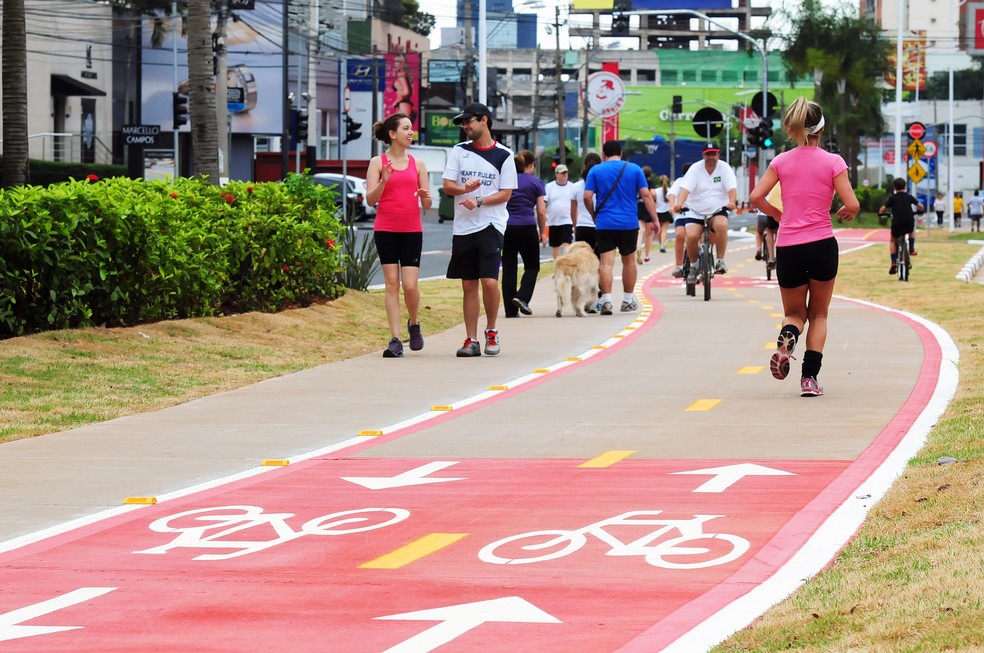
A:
{"x": 624, "y": 240}
{"x": 399, "y": 247}
{"x": 796, "y": 265}
{"x": 903, "y": 226}
{"x": 664, "y": 217}
{"x": 561, "y": 234}
{"x": 476, "y": 256}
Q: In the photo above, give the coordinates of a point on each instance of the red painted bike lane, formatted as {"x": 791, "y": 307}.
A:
{"x": 404, "y": 555}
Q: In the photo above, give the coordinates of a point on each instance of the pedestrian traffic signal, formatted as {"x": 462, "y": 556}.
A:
{"x": 765, "y": 134}
{"x": 179, "y": 113}
{"x": 352, "y": 128}
{"x": 677, "y": 104}
{"x": 620, "y": 24}
{"x": 301, "y": 126}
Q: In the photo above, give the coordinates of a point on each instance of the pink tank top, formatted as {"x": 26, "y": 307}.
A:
{"x": 398, "y": 208}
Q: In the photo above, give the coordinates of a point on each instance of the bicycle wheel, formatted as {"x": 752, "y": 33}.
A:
{"x": 557, "y": 544}
{"x": 902, "y": 249}
{"x": 706, "y": 270}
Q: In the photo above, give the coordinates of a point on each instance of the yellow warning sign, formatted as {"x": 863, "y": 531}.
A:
{"x": 916, "y": 173}
{"x": 916, "y": 150}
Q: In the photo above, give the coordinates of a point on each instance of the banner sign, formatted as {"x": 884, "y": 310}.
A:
{"x": 402, "y": 92}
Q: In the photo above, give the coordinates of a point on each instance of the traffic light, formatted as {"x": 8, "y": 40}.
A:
{"x": 352, "y": 128}
{"x": 677, "y": 104}
{"x": 765, "y": 134}
{"x": 620, "y": 24}
{"x": 301, "y": 126}
{"x": 755, "y": 135}
{"x": 179, "y": 114}
{"x": 556, "y": 161}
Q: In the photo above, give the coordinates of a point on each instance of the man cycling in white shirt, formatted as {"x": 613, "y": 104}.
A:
{"x": 705, "y": 189}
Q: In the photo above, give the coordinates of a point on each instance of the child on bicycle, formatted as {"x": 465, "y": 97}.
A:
{"x": 903, "y": 207}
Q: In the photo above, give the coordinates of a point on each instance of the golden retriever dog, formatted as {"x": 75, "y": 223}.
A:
{"x": 576, "y": 278}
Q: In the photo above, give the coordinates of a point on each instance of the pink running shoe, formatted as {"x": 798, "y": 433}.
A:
{"x": 810, "y": 388}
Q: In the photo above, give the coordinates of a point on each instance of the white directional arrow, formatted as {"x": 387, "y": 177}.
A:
{"x": 10, "y": 627}
{"x": 459, "y": 619}
{"x": 728, "y": 475}
{"x": 416, "y": 476}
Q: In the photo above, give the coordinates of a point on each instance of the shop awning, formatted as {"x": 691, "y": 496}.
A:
{"x": 62, "y": 85}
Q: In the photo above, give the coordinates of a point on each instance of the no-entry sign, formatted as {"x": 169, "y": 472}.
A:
{"x": 917, "y": 130}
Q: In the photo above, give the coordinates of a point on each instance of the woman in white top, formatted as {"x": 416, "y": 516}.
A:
{"x": 662, "y": 194}
{"x": 560, "y": 224}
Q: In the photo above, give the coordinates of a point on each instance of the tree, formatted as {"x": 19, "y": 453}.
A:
{"x": 847, "y": 56}
{"x": 967, "y": 84}
{"x": 418, "y": 21}
{"x": 15, "y": 145}
{"x": 201, "y": 95}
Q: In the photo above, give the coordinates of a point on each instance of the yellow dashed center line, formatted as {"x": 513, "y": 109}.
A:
{"x": 703, "y": 404}
{"x": 414, "y": 551}
{"x": 607, "y": 459}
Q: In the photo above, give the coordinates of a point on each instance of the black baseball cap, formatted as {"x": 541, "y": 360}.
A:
{"x": 473, "y": 110}
{"x": 710, "y": 147}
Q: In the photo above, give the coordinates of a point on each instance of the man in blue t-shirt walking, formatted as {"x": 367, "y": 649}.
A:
{"x": 610, "y": 193}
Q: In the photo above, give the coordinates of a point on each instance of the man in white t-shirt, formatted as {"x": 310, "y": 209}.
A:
{"x": 481, "y": 174}
{"x": 705, "y": 189}
{"x": 559, "y": 222}
{"x": 975, "y": 209}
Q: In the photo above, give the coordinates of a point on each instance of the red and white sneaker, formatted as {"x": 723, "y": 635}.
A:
{"x": 491, "y": 342}
{"x": 779, "y": 365}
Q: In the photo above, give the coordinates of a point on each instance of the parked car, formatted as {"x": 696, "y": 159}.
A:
{"x": 356, "y": 192}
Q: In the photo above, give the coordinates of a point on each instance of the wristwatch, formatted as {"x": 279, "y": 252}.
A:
{"x": 479, "y": 200}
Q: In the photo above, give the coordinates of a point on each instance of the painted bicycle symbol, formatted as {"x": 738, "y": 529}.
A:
{"x": 223, "y": 527}
{"x": 691, "y": 549}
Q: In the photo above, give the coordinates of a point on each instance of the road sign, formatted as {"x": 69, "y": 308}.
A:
{"x": 932, "y": 147}
{"x": 235, "y": 98}
{"x": 916, "y": 149}
{"x": 916, "y": 172}
{"x": 708, "y": 122}
{"x": 916, "y": 130}
{"x": 769, "y": 109}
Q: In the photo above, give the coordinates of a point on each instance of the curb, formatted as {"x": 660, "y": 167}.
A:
{"x": 973, "y": 265}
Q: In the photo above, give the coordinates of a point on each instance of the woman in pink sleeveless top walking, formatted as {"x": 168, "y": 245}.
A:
{"x": 397, "y": 186}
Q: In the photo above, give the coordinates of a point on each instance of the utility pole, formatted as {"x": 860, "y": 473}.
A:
{"x": 584, "y": 102}
{"x": 469, "y": 59}
{"x": 222, "y": 87}
{"x": 558, "y": 70}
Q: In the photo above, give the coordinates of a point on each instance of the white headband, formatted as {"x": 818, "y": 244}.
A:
{"x": 815, "y": 129}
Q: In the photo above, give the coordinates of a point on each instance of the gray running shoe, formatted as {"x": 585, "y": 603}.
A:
{"x": 692, "y": 275}
{"x": 720, "y": 267}
{"x": 630, "y": 305}
{"x": 469, "y": 349}
{"x": 491, "y": 342}
{"x": 416, "y": 338}
{"x": 522, "y": 306}
{"x": 677, "y": 272}
{"x": 394, "y": 349}
{"x": 606, "y": 308}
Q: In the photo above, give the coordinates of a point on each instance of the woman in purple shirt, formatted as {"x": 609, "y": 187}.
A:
{"x": 525, "y": 233}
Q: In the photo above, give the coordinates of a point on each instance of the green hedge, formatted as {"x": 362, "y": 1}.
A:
{"x": 120, "y": 251}
{"x": 45, "y": 173}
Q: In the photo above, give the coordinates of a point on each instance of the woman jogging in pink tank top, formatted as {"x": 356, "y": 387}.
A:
{"x": 806, "y": 251}
{"x": 398, "y": 188}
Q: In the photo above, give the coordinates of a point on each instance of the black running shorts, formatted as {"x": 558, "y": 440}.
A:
{"x": 476, "y": 256}
{"x": 797, "y": 265}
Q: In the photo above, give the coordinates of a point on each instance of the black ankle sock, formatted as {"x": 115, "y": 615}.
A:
{"x": 812, "y": 360}
{"x": 791, "y": 328}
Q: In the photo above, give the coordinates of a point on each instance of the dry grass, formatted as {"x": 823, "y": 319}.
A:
{"x": 61, "y": 380}
{"x": 912, "y": 578}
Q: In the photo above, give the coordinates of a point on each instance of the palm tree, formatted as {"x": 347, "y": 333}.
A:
{"x": 201, "y": 96}
{"x": 15, "y": 148}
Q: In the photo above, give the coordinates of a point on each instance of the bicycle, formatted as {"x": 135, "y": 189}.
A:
{"x": 705, "y": 258}
{"x": 904, "y": 262}
{"x": 763, "y": 255}
{"x": 692, "y": 549}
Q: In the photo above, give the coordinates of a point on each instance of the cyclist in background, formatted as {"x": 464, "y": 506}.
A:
{"x": 766, "y": 228}
{"x": 679, "y": 221}
{"x": 902, "y": 206}
{"x": 705, "y": 190}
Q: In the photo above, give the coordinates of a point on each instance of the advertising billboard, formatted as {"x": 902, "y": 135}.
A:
{"x": 975, "y": 27}
{"x": 641, "y": 5}
{"x": 402, "y": 91}
{"x": 254, "y": 65}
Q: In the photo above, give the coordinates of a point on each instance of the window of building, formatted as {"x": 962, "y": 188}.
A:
{"x": 646, "y": 75}
{"x": 708, "y": 75}
{"x": 729, "y": 76}
{"x": 670, "y": 76}
{"x": 690, "y": 75}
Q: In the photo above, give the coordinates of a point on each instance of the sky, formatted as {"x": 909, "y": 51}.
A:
{"x": 444, "y": 13}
